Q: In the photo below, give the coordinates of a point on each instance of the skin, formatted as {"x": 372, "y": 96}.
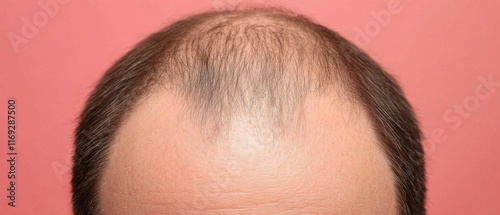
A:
{"x": 162, "y": 162}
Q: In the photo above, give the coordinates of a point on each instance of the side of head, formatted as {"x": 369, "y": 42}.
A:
{"x": 297, "y": 118}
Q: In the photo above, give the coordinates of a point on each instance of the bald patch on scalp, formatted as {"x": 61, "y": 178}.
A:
{"x": 161, "y": 163}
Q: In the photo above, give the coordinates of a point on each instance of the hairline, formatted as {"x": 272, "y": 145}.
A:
{"x": 153, "y": 79}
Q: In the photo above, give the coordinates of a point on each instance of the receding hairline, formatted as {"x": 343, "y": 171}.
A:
{"x": 153, "y": 58}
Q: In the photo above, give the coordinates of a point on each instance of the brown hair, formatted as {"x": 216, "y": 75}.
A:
{"x": 211, "y": 58}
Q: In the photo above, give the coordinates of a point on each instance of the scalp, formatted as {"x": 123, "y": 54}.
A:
{"x": 260, "y": 60}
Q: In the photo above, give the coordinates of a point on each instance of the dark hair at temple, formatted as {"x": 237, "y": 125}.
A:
{"x": 215, "y": 59}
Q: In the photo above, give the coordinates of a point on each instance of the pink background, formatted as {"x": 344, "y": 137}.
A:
{"x": 438, "y": 50}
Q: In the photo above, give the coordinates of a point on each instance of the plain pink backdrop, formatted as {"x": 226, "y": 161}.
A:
{"x": 441, "y": 52}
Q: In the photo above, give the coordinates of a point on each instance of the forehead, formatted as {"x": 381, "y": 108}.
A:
{"x": 162, "y": 162}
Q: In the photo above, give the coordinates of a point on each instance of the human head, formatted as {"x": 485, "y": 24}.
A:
{"x": 212, "y": 79}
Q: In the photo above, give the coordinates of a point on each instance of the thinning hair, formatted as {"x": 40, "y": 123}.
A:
{"x": 235, "y": 60}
